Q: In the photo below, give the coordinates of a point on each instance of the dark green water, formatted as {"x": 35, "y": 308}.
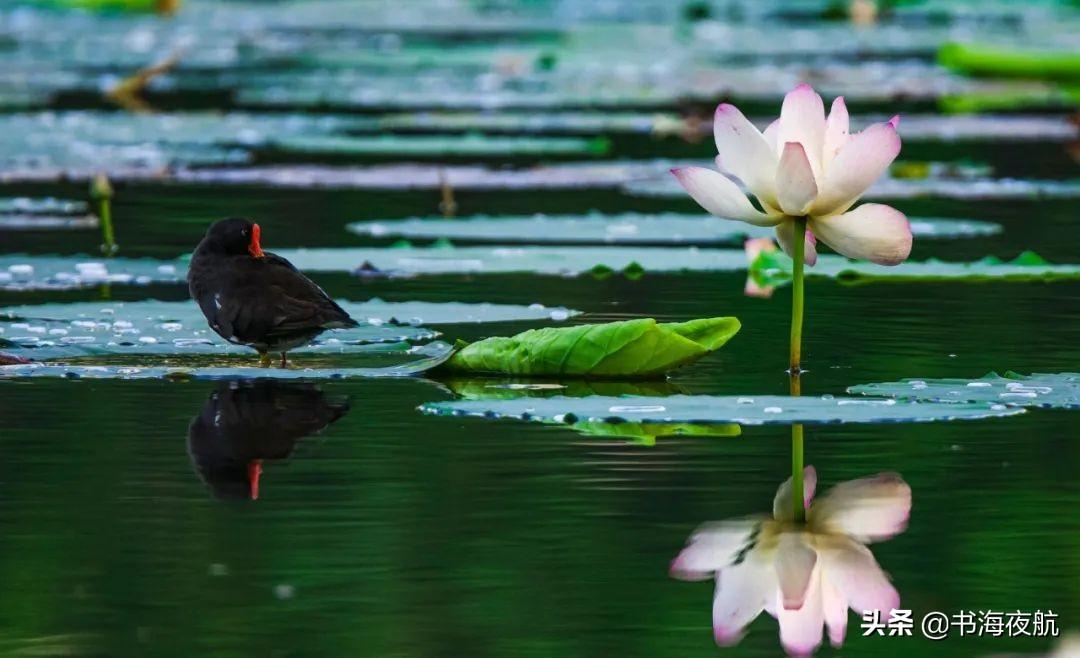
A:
{"x": 394, "y": 533}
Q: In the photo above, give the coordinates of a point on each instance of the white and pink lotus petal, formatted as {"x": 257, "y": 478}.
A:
{"x": 852, "y": 569}
{"x": 744, "y": 152}
{"x": 860, "y": 162}
{"x": 785, "y": 237}
{"x": 782, "y": 508}
{"x": 801, "y": 629}
{"x": 835, "y": 607}
{"x": 836, "y": 133}
{"x": 872, "y": 231}
{"x": 711, "y": 548}
{"x": 802, "y": 120}
{"x": 770, "y": 133}
{"x": 720, "y": 196}
{"x": 794, "y": 562}
{"x": 740, "y": 596}
{"x": 869, "y": 509}
{"x": 795, "y": 186}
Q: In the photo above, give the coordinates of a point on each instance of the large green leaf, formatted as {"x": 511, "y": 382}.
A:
{"x": 708, "y": 409}
{"x": 774, "y": 268}
{"x": 1050, "y": 390}
{"x": 638, "y": 348}
{"x": 625, "y": 228}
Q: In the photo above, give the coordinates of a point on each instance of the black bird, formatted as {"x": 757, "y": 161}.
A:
{"x": 254, "y": 298}
{"x": 241, "y": 424}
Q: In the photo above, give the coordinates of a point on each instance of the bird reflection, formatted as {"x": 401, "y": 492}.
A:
{"x": 243, "y": 423}
{"x": 804, "y": 575}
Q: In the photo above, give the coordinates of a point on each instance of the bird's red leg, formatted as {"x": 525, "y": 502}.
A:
{"x": 254, "y": 471}
{"x": 284, "y": 362}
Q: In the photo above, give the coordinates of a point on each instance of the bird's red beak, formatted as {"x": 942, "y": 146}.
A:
{"x": 254, "y": 249}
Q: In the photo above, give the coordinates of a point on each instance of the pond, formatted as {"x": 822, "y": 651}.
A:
{"x": 179, "y": 516}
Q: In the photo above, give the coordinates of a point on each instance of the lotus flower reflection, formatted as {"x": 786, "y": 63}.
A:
{"x": 805, "y": 575}
{"x": 805, "y": 165}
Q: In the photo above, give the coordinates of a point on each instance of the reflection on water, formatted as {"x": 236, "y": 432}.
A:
{"x": 243, "y": 423}
{"x": 500, "y": 388}
{"x": 806, "y": 576}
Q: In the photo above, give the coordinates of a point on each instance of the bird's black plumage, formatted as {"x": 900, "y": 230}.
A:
{"x": 242, "y": 424}
{"x": 254, "y": 298}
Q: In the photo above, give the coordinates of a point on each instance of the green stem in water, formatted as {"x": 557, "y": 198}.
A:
{"x": 108, "y": 237}
{"x": 795, "y": 366}
{"x": 101, "y": 193}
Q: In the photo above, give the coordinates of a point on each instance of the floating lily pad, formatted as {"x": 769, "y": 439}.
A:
{"x": 627, "y": 228}
{"x": 1049, "y": 390}
{"x": 640, "y": 348}
{"x": 423, "y": 358}
{"x": 562, "y": 261}
{"x": 176, "y": 328}
{"x": 53, "y": 331}
{"x": 79, "y": 144}
{"x": 916, "y": 127}
{"x": 22, "y": 272}
{"x": 574, "y": 175}
{"x": 35, "y": 222}
{"x": 487, "y": 388}
{"x": 774, "y": 267}
{"x": 589, "y": 123}
{"x": 41, "y": 206}
{"x": 642, "y": 178}
{"x": 895, "y": 188}
{"x": 442, "y": 145}
{"x": 706, "y": 410}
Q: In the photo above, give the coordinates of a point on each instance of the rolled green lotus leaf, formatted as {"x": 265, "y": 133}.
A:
{"x": 641, "y": 348}
{"x": 985, "y": 60}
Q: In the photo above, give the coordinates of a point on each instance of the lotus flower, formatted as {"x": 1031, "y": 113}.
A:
{"x": 805, "y": 575}
{"x": 805, "y": 165}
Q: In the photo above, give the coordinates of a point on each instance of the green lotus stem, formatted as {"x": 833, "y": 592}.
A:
{"x": 101, "y": 193}
{"x": 795, "y": 367}
{"x": 797, "y": 297}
